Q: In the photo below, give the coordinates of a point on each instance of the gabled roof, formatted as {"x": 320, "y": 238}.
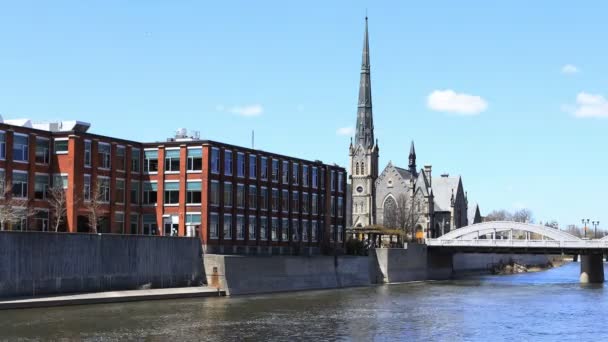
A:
{"x": 443, "y": 187}
{"x": 404, "y": 173}
{"x": 472, "y": 213}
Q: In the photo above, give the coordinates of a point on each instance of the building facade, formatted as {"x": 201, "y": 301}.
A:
{"x": 235, "y": 199}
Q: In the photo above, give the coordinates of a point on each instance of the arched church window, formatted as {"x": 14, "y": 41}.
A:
{"x": 357, "y": 169}
{"x": 362, "y": 168}
{"x": 390, "y": 213}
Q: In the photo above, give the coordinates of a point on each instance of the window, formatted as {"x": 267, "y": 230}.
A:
{"x": 193, "y": 192}
{"x": 295, "y": 202}
{"x": 121, "y": 158}
{"x": 252, "y": 227}
{"x": 333, "y": 180}
{"x": 134, "y": 224}
{"x": 263, "y": 228}
{"x": 214, "y": 196}
{"x": 228, "y": 163}
{"x": 240, "y": 196}
{"x": 41, "y": 220}
{"x": 20, "y": 184}
{"x": 264, "y": 198}
{"x": 313, "y": 231}
{"x": 285, "y": 201}
{"x": 60, "y": 180}
{"x": 340, "y": 181}
{"x": 86, "y": 188}
{"x": 150, "y": 193}
{"x": 305, "y": 175}
{"x": 275, "y": 200}
{"x": 2, "y": 145}
{"x": 264, "y": 168}
{"x": 150, "y": 224}
{"x": 2, "y": 183}
{"x": 120, "y": 191}
{"x": 340, "y": 206}
{"x": 119, "y": 222}
{"x": 135, "y": 160}
{"x": 332, "y": 231}
{"x": 171, "y": 192}
{"x": 240, "y": 164}
{"x": 87, "y": 152}
{"x": 340, "y": 232}
{"x": 253, "y": 166}
{"x": 61, "y": 146}
{"x": 171, "y": 160}
{"x": 253, "y": 197}
{"x": 315, "y": 204}
{"x": 322, "y": 179}
{"x": 285, "y": 229}
{"x": 227, "y": 227}
{"x": 134, "y": 192}
{"x": 20, "y": 147}
{"x": 294, "y": 173}
{"x": 151, "y": 161}
{"x": 285, "y": 172}
{"x": 21, "y": 222}
{"x": 215, "y": 160}
{"x": 274, "y": 235}
{"x": 195, "y": 159}
{"x": 42, "y": 151}
{"x": 315, "y": 180}
{"x": 305, "y": 230}
{"x": 240, "y": 227}
{"x": 214, "y": 226}
{"x": 103, "y": 151}
{"x": 104, "y": 188}
{"x": 275, "y": 170}
{"x": 193, "y": 221}
{"x": 41, "y": 186}
{"x": 332, "y": 206}
{"x": 295, "y": 230}
{"x": 227, "y": 194}
{"x": 305, "y": 203}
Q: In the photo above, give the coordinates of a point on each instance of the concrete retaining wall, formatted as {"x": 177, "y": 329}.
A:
{"x": 264, "y": 274}
{"x": 38, "y": 263}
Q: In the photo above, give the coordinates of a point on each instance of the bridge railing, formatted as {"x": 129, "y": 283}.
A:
{"x": 599, "y": 244}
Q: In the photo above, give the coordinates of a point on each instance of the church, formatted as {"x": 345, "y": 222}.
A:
{"x": 409, "y": 198}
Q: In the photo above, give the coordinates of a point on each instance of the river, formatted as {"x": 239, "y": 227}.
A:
{"x": 543, "y": 306}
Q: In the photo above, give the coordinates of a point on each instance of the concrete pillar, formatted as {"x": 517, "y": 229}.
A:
{"x": 592, "y": 268}
{"x": 575, "y": 258}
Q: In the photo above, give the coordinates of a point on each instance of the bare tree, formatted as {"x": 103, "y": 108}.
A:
{"x": 498, "y": 215}
{"x": 552, "y": 224}
{"x": 57, "y": 199}
{"x": 523, "y": 215}
{"x": 404, "y": 215}
{"x": 94, "y": 205}
{"x": 13, "y": 209}
{"x": 575, "y": 230}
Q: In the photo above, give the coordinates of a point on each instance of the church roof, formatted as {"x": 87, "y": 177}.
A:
{"x": 404, "y": 173}
{"x": 443, "y": 187}
{"x": 472, "y": 212}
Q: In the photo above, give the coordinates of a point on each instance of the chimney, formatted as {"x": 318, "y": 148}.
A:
{"x": 427, "y": 171}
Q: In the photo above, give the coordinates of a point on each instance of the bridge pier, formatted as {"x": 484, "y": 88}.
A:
{"x": 592, "y": 268}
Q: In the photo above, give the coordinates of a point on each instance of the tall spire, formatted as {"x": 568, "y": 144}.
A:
{"x": 412, "y": 158}
{"x": 364, "y": 134}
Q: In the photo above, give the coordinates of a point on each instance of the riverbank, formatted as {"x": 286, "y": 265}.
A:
{"x": 513, "y": 267}
{"x": 110, "y": 297}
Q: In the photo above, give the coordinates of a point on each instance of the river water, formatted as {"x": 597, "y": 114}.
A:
{"x": 543, "y": 306}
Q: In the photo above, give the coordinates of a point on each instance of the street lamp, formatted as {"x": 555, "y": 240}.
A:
{"x": 585, "y": 223}
{"x": 595, "y": 224}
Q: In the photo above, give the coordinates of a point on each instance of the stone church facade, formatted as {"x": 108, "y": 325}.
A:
{"x": 440, "y": 203}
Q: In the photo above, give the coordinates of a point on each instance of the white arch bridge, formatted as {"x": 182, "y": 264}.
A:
{"x": 515, "y": 237}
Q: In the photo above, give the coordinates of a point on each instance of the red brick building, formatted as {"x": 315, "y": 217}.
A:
{"x": 236, "y": 199}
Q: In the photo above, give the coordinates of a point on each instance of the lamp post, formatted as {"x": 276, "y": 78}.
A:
{"x": 585, "y": 222}
{"x": 595, "y": 224}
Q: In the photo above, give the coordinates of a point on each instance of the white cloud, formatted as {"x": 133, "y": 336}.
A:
{"x": 249, "y": 110}
{"x": 570, "y": 69}
{"x": 589, "y": 106}
{"x": 453, "y": 102}
{"x": 346, "y": 131}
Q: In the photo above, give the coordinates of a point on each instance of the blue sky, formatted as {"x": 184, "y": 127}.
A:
{"x": 510, "y": 95}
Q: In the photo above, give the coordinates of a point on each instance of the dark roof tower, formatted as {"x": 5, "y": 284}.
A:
{"x": 364, "y": 134}
{"x": 412, "y": 162}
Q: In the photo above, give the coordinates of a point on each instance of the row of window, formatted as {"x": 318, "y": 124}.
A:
{"x": 309, "y": 175}
{"x": 246, "y": 226}
{"x": 272, "y": 199}
{"x": 19, "y": 184}
{"x": 194, "y": 160}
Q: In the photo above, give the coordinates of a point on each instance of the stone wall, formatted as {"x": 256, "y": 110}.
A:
{"x": 38, "y": 263}
{"x": 239, "y": 274}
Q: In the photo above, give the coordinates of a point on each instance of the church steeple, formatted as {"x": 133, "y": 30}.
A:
{"x": 412, "y": 162}
{"x": 364, "y": 132}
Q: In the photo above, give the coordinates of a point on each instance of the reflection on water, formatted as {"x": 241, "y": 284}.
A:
{"x": 547, "y": 305}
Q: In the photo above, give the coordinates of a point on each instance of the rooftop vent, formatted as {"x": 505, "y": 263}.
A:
{"x": 182, "y": 134}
